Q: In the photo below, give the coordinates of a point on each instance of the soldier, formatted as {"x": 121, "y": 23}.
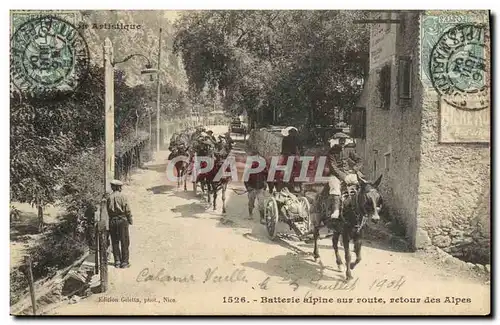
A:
{"x": 291, "y": 144}
{"x": 120, "y": 218}
{"x": 256, "y": 186}
{"x": 210, "y": 135}
{"x": 343, "y": 167}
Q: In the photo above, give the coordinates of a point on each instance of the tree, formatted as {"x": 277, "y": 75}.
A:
{"x": 286, "y": 64}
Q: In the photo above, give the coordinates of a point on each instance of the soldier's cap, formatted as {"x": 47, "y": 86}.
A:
{"x": 116, "y": 182}
{"x": 287, "y": 130}
{"x": 340, "y": 135}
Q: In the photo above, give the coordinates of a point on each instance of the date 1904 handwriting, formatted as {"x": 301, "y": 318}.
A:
{"x": 215, "y": 276}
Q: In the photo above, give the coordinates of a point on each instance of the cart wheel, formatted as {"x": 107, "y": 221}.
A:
{"x": 272, "y": 217}
{"x": 307, "y": 208}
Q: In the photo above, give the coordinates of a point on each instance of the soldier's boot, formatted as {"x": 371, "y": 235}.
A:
{"x": 335, "y": 207}
{"x": 250, "y": 212}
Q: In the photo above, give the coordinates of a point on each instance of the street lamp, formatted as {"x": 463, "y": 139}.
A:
{"x": 150, "y": 71}
{"x": 109, "y": 105}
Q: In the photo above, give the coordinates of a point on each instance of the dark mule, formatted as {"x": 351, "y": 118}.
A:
{"x": 361, "y": 204}
{"x": 181, "y": 166}
{"x": 216, "y": 182}
{"x": 201, "y": 150}
{"x": 179, "y": 147}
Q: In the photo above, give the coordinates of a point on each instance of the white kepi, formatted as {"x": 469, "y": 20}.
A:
{"x": 286, "y": 130}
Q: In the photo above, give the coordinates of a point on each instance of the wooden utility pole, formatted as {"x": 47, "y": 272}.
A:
{"x": 109, "y": 169}
{"x": 102, "y": 248}
{"x": 109, "y": 104}
{"x": 158, "y": 86}
{"x": 29, "y": 274}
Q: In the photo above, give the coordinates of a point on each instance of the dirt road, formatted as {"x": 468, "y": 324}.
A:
{"x": 188, "y": 259}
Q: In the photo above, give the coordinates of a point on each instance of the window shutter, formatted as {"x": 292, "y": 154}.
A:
{"x": 358, "y": 123}
{"x": 404, "y": 77}
{"x": 385, "y": 86}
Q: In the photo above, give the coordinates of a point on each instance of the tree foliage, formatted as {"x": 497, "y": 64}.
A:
{"x": 297, "y": 64}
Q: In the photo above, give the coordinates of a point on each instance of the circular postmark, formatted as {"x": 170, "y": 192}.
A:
{"x": 48, "y": 53}
{"x": 458, "y": 67}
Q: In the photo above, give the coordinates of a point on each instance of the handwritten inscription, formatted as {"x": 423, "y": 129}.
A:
{"x": 239, "y": 275}
{"x": 162, "y": 276}
{"x": 212, "y": 275}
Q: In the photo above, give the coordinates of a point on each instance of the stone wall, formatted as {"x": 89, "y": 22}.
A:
{"x": 392, "y": 145}
{"x": 267, "y": 143}
{"x": 454, "y": 192}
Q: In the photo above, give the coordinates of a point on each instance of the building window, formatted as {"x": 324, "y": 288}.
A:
{"x": 387, "y": 161}
{"x": 358, "y": 123}
{"x": 384, "y": 86}
{"x": 404, "y": 77}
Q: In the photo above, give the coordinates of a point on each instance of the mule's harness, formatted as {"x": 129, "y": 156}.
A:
{"x": 355, "y": 208}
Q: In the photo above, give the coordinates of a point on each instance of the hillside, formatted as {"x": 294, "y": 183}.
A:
{"x": 143, "y": 41}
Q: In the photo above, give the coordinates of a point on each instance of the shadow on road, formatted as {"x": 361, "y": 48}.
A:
{"x": 161, "y": 189}
{"x": 190, "y": 210}
{"x": 160, "y": 168}
{"x": 295, "y": 268}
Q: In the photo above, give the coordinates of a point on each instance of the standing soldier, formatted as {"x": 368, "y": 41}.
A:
{"x": 120, "y": 218}
{"x": 256, "y": 186}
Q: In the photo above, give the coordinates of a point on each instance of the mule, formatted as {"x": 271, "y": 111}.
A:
{"x": 360, "y": 204}
{"x": 214, "y": 184}
{"x": 181, "y": 166}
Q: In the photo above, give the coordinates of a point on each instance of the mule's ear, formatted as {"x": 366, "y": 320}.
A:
{"x": 377, "y": 182}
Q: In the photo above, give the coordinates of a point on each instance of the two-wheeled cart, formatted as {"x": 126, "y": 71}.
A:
{"x": 300, "y": 223}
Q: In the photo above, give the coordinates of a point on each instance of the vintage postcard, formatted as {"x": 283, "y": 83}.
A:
{"x": 246, "y": 162}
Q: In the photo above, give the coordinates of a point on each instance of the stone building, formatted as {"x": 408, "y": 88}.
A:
{"x": 434, "y": 157}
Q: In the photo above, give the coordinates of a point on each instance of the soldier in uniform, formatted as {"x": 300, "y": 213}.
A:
{"x": 343, "y": 165}
{"x": 256, "y": 186}
{"x": 211, "y": 136}
{"x": 120, "y": 218}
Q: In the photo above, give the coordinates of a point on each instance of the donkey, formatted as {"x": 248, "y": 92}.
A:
{"x": 214, "y": 183}
{"x": 360, "y": 204}
{"x": 200, "y": 149}
{"x": 181, "y": 166}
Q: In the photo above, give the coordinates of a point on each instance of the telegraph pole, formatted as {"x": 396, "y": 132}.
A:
{"x": 158, "y": 85}
{"x": 109, "y": 104}
{"x": 109, "y": 166}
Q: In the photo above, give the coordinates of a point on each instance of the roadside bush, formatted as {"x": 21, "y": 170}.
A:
{"x": 83, "y": 182}
{"x": 18, "y": 284}
{"x": 60, "y": 247}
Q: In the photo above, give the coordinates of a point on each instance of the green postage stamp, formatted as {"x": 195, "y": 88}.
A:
{"x": 454, "y": 58}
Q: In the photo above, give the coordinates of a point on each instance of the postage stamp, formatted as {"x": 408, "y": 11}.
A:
{"x": 48, "y": 53}
{"x": 457, "y": 67}
{"x": 455, "y": 58}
